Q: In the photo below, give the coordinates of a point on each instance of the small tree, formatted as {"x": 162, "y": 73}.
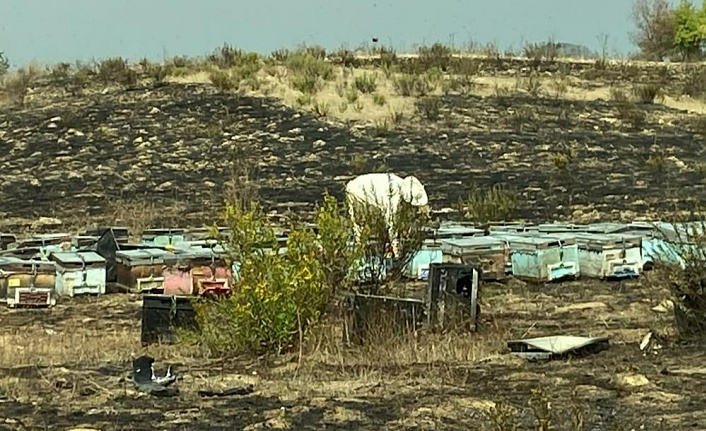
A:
{"x": 689, "y": 29}
{"x": 339, "y": 252}
{"x": 278, "y": 294}
{"x": 654, "y": 28}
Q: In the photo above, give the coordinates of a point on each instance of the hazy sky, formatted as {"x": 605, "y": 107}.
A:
{"x": 66, "y": 30}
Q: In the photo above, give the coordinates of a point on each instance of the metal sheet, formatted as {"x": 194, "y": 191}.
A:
{"x": 556, "y": 345}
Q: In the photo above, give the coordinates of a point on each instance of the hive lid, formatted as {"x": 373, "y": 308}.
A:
{"x": 77, "y": 257}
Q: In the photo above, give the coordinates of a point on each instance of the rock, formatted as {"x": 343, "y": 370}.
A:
{"x": 628, "y": 380}
{"x": 167, "y": 185}
{"x": 319, "y": 143}
{"x": 582, "y": 307}
{"x": 46, "y": 222}
{"x": 154, "y": 110}
{"x": 665, "y": 306}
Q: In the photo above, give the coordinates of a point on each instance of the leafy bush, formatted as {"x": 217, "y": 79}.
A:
{"x": 401, "y": 238}
{"x": 278, "y": 294}
{"x": 336, "y": 236}
{"x": 224, "y": 80}
{"x": 228, "y": 56}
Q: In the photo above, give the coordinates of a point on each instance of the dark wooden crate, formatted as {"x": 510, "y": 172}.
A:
{"x": 370, "y": 318}
{"x": 452, "y": 295}
{"x": 161, "y": 314}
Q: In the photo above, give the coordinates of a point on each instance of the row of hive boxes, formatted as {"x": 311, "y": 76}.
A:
{"x": 536, "y": 256}
{"x": 36, "y": 282}
{"x": 40, "y": 282}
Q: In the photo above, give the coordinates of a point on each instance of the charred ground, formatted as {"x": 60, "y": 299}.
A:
{"x": 79, "y": 355}
{"x": 560, "y": 136}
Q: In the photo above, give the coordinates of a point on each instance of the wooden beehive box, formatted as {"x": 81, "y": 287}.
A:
{"x": 610, "y": 255}
{"x": 485, "y": 252}
{"x": 79, "y": 273}
{"x": 542, "y": 258}
{"x": 27, "y": 282}
{"x": 141, "y": 270}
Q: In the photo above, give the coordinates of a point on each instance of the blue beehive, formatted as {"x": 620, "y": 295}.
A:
{"x": 542, "y": 258}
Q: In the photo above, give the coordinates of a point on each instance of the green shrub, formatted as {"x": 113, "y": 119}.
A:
{"x": 437, "y": 55}
{"x": 646, "y": 93}
{"x": 277, "y": 295}
{"x": 366, "y": 83}
{"x": 405, "y": 238}
{"x": 116, "y": 70}
{"x": 489, "y": 205}
{"x": 309, "y": 71}
{"x": 224, "y": 80}
{"x": 336, "y": 236}
{"x": 412, "y": 85}
{"x": 429, "y": 107}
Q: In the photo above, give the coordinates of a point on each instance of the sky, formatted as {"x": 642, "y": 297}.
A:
{"x": 50, "y": 31}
